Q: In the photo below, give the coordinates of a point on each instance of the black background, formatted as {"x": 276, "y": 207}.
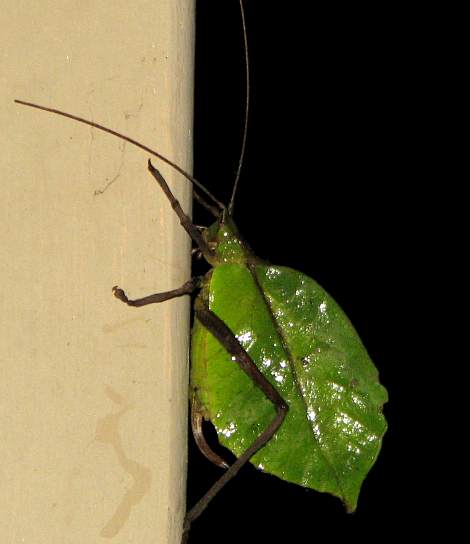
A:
{"x": 337, "y": 172}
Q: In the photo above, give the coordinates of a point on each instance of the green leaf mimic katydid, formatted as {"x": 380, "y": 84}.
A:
{"x": 276, "y": 365}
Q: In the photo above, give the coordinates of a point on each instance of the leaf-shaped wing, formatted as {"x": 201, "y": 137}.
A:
{"x": 305, "y": 345}
{"x": 335, "y": 378}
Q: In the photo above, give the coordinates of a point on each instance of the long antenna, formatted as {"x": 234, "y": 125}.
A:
{"x": 247, "y": 107}
{"x": 131, "y": 141}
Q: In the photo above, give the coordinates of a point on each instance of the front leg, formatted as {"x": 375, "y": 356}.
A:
{"x": 229, "y": 341}
{"x": 184, "y": 219}
{"x": 185, "y": 289}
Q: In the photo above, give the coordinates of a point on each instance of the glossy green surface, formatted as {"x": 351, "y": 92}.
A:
{"x": 306, "y": 346}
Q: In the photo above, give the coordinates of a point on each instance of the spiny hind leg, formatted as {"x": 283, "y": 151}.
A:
{"x": 229, "y": 341}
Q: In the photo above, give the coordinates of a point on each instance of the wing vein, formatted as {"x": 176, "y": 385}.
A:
{"x": 252, "y": 269}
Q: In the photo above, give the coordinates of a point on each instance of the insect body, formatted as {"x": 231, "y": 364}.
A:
{"x": 278, "y": 369}
{"x": 308, "y": 350}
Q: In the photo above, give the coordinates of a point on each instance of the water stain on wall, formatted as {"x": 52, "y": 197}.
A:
{"x": 107, "y": 432}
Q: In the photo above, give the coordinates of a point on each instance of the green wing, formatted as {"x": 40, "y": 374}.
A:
{"x": 305, "y": 345}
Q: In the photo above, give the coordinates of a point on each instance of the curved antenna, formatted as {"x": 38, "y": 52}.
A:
{"x": 131, "y": 141}
{"x": 247, "y": 107}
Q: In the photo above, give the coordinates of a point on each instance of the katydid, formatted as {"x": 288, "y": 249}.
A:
{"x": 276, "y": 365}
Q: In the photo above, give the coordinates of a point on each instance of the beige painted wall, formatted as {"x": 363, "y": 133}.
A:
{"x": 93, "y": 394}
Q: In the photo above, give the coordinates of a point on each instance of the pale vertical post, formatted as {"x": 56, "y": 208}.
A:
{"x": 93, "y": 393}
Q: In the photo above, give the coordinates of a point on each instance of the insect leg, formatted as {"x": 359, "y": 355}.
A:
{"x": 226, "y": 337}
{"x": 196, "y": 426}
{"x": 184, "y": 219}
{"x": 185, "y": 289}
